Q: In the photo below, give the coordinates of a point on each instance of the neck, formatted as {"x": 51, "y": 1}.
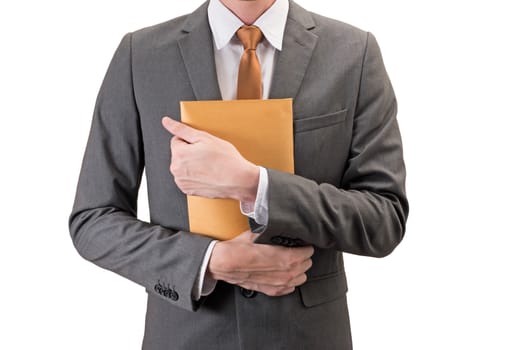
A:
{"x": 248, "y": 10}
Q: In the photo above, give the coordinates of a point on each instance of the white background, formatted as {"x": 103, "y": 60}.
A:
{"x": 456, "y": 281}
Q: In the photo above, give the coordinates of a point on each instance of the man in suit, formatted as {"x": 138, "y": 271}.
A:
{"x": 282, "y": 284}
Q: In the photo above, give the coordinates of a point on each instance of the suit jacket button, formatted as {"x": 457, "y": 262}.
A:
{"x": 277, "y": 240}
{"x": 289, "y": 243}
{"x": 298, "y": 242}
{"x": 294, "y": 242}
{"x": 286, "y": 241}
{"x": 248, "y": 294}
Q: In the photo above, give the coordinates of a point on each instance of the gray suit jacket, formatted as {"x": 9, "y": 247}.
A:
{"x": 347, "y": 193}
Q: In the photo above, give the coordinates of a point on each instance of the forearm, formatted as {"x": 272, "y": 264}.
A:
{"x": 363, "y": 209}
{"x": 103, "y": 222}
{"x": 358, "y": 222}
{"x": 150, "y": 255}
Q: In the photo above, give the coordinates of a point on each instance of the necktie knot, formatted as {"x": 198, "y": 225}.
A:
{"x": 249, "y": 36}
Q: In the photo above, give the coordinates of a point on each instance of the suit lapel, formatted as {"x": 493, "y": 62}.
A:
{"x": 298, "y": 45}
{"x": 197, "y": 52}
{"x": 291, "y": 62}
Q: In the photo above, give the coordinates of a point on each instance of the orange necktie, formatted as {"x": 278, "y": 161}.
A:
{"x": 249, "y": 84}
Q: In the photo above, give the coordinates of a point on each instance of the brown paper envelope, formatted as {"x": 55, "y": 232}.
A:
{"x": 262, "y": 131}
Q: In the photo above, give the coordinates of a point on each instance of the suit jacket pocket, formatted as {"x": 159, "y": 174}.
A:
{"x": 323, "y": 289}
{"x": 317, "y": 122}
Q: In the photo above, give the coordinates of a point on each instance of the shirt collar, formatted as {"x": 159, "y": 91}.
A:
{"x": 224, "y": 23}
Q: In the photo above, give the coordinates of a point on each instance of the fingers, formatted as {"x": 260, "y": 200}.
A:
{"x": 268, "y": 290}
{"x": 303, "y": 252}
{"x": 268, "y": 282}
{"x": 276, "y": 284}
{"x": 294, "y": 257}
{"x": 291, "y": 278}
{"x": 270, "y": 287}
{"x": 182, "y": 131}
{"x": 177, "y": 141}
{"x": 177, "y": 152}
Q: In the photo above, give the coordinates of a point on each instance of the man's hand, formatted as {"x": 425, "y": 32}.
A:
{"x": 207, "y": 166}
{"x": 272, "y": 270}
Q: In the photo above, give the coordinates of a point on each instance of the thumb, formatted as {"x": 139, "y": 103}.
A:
{"x": 181, "y": 130}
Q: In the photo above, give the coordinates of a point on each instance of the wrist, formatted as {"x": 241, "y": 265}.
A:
{"x": 249, "y": 183}
{"x": 216, "y": 265}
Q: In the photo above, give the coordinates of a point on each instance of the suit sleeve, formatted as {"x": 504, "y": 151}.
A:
{"x": 103, "y": 223}
{"x": 366, "y": 214}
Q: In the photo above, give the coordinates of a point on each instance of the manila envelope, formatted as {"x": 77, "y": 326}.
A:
{"x": 261, "y": 130}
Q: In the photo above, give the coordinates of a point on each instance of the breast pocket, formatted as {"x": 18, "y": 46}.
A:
{"x": 321, "y": 146}
{"x": 317, "y": 122}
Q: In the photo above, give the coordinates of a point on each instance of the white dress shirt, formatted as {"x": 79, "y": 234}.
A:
{"x": 228, "y": 51}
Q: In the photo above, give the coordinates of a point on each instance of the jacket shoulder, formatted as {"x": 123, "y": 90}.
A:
{"x": 160, "y": 34}
{"x": 336, "y": 31}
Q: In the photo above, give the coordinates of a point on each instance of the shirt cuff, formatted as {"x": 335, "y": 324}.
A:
{"x": 204, "y": 285}
{"x": 258, "y": 210}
